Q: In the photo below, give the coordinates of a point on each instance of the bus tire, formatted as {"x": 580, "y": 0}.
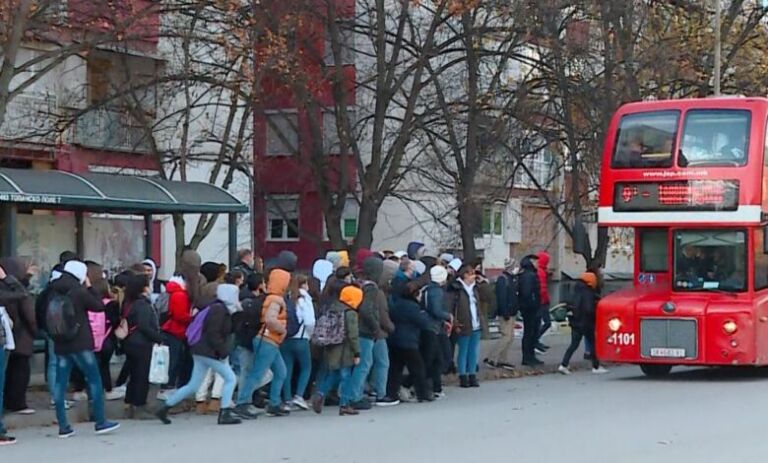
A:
{"x": 652, "y": 370}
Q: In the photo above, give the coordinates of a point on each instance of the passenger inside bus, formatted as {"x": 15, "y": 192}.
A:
{"x": 645, "y": 140}
{"x": 710, "y": 260}
{"x": 715, "y": 138}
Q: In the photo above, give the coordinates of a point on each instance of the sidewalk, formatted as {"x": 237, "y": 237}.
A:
{"x": 558, "y": 340}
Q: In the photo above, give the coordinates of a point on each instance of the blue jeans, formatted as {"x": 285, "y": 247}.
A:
{"x": 468, "y": 352}
{"x": 380, "y": 367}
{"x": 342, "y": 378}
{"x": 266, "y": 356}
{"x": 3, "y": 364}
{"x": 50, "y": 367}
{"x": 360, "y": 373}
{"x": 87, "y": 363}
{"x": 200, "y": 368}
{"x": 296, "y": 350}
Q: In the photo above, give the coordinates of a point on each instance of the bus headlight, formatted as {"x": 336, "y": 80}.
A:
{"x": 614, "y": 324}
{"x": 730, "y": 327}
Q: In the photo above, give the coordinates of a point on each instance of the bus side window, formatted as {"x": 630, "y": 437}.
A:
{"x": 761, "y": 260}
{"x": 653, "y": 250}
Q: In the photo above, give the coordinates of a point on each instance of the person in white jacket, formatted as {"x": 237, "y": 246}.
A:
{"x": 295, "y": 348}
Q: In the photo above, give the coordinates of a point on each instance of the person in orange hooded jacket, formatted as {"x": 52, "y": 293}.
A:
{"x": 546, "y": 320}
{"x": 266, "y": 348}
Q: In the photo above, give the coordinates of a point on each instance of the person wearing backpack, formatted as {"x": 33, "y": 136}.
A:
{"x": 340, "y": 358}
{"x": 208, "y": 337}
{"x": 144, "y": 333}
{"x": 266, "y": 348}
{"x": 22, "y": 314}
{"x": 70, "y": 299}
{"x": 583, "y": 304}
{"x": 507, "y": 308}
{"x": 11, "y": 292}
{"x": 433, "y": 301}
{"x": 295, "y": 349}
{"x": 174, "y": 333}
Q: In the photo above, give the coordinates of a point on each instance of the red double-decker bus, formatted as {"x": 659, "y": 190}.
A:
{"x": 688, "y": 176}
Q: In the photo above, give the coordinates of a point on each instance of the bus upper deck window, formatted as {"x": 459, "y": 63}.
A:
{"x": 646, "y": 140}
{"x": 715, "y": 138}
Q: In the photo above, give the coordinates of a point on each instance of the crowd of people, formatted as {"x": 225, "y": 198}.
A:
{"x": 263, "y": 335}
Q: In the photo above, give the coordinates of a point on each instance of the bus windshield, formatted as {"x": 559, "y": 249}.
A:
{"x": 710, "y": 260}
{"x": 646, "y": 140}
{"x": 714, "y": 138}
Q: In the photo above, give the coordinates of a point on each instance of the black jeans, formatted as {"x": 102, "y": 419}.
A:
{"x": 411, "y": 358}
{"x": 446, "y": 351}
{"x": 433, "y": 359}
{"x": 139, "y": 357}
{"x": 545, "y": 321}
{"x": 16, "y": 382}
{"x": 177, "y": 349}
{"x": 531, "y": 324}
{"x": 576, "y": 336}
{"x": 104, "y": 357}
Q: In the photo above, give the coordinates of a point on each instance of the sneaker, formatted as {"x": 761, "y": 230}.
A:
{"x": 5, "y": 439}
{"x": 439, "y": 395}
{"x": 599, "y": 371}
{"x": 246, "y": 411}
{"x": 300, "y": 402}
{"x": 162, "y": 395}
{"x": 542, "y": 346}
{"x": 288, "y": 407}
{"x": 490, "y": 363}
{"x": 387, "y": 402}
{"x": 540, "y": 351}
{"x": 347, "y": 410}
{"x": 67, "y": 404}
{"x": 564, "y": 370}
{"x": 106, "y": 427}
{"x": 26, "y": 411}
{"x": 406, "y": 395}
{"x": 117, "y": 395}
{"x": 277, "y": 411}
{"x": 66, "y": 433}
{"x": 80, "y": 396}
{"x": 361, "y": 404}
{"x": 507, "y": 366}
{"x": 120, "y": 389}
{"x": 317, "y": 402}
{"x": 533, "y": 363}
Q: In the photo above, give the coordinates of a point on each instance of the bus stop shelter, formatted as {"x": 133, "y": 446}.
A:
{"x": 110, "y": 194}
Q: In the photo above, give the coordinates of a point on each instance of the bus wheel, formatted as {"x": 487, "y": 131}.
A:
{"x": 655, "y": 371}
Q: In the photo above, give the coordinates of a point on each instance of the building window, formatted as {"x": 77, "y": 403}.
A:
{"x": 349, "y": 228}
{"x": 761, "y": 261}
{"x": 541, "y": 166}
{"x": 282, "y": 134}
{"x": 492, "y": 221}
{"x": 99, "y": 71}
{"x": 346, "y": 38}
{"x": 331, "y": 135}
{"x": 283, "y": 218}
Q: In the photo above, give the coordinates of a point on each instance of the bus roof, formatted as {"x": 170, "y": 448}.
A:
{"x": 714, "y": 102}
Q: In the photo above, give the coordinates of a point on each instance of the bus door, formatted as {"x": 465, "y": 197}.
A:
{"x": 652, "y": 249}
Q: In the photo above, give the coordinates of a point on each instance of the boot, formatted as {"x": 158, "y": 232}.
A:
{"x": 464, "y": 381}
{"x": 227, "y": 416}
{"x": 214, "y": 406}
{"x": 162, "y": 414}
{"x": 201, "y": 408}
{"x": 347, "y": 410}
{"x": 473, "y": 381}
{"x": 130, "y": 412}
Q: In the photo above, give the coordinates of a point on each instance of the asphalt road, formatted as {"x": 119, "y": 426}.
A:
{"x": 694, "y": 415}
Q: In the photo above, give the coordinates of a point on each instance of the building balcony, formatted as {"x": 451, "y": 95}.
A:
{"x": 111, "y": 130}
{"x": 30, "y": 119}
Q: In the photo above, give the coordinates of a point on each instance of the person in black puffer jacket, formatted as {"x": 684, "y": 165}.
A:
{"x": 582, "y": 321}
{"x": 144, "y": 332}
{"x": 211, "y": 352}
{"x": 409, "y": 321}
{"x": 529, "y": 299}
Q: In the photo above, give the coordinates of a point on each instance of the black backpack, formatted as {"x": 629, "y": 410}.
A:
{"x": 292, "y": 325}
{"x": 61, "y": 318}
{"x": 246, "y": 324}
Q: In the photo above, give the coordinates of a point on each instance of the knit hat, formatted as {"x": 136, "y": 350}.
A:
{"x": 400, "y": 254}
{"x": 360, "y": 256}
{"x": 230, "y": 296}
{"x": 344, "y": 256}
{"x": 438, "y": 274}
{"x": 415, "y": 250}
{"x": 445, "y": 257}
{"x": 389, "y": 270}
{"x": 419, "y": 267}
{"x": 77, "y": 269}
{"x": 352, "y": 296}
{"x": 287, "y": 261}
{"x": 589, "y": 278}
{"x": 321, "y": 270}
{"x": 334, "y": 258}
{"x": 372, "y": 269}
{"x": 455, "y": 264}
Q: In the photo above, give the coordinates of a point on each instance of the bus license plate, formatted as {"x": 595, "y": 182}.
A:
{"x": 667, "y": 352}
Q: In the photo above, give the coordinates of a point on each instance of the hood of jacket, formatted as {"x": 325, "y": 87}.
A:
{"x": 321, "y": 270}
{"x": 352, "y": 296}
{"x": 278, "y": 282}
{"x": 413, "y": 249}
{"x": 372, "y": 268}
{"x": 334, "y": 258}
{"x": 527, "y": 263}
{"x": 14, "y": 267}
{"x": 360, "y": 256}
{"x": 543, "y": 260}
{"x": 176, "y": 284}
{"x": 388, "y": 272}
{"x": 151, "y": 263}
{"x": 230, "y": 296}
{"x": 343, "y": 258}
{"x": 65, "y": 283}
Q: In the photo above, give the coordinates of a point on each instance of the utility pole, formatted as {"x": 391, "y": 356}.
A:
{"x": 718, "y": 47}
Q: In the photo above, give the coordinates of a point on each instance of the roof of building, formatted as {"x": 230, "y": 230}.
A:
{"x": 97, "y": 192}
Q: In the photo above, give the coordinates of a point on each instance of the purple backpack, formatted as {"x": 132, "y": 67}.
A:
{"x": 195, "y": 329}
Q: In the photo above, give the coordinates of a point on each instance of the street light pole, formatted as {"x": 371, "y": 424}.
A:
{"x": 718, "y": 48}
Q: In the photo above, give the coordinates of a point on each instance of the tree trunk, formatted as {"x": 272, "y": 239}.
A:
{"x": 366, "y": 222}
{"x": 178, "y": 226}
{"x": 467, "y": 221}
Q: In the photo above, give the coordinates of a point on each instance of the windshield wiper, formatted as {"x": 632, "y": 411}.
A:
{"x": 721, "y": 291}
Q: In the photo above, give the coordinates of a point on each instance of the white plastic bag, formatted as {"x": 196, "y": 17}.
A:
{"x": 6, "y": 324}
{"x": 158, "y": 368}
